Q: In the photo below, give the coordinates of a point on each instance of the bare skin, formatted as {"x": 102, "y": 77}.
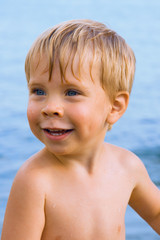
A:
{"x": 77, "y": 187}
{"x": 52, "y": 201}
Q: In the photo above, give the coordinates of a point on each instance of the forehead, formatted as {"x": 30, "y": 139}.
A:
{"x": 38, "y": 65}
{"x": 76, "y": 66}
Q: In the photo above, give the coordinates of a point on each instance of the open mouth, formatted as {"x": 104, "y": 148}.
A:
{"x": 58, "y": 132}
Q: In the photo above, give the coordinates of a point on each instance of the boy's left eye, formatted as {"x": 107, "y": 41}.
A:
{"x": 72, "y": 93}
{"x": 39, "y": 92}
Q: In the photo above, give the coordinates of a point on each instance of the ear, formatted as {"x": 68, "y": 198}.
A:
{"x": 118, "y": 107}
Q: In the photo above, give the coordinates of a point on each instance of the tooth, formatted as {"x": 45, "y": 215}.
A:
{"x": 57, "y": 132}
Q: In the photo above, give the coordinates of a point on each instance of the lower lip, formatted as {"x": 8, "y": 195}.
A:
{"x": 57, "y": 137}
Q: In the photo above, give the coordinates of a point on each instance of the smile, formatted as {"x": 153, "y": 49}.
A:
{"x": 58, "y": 132}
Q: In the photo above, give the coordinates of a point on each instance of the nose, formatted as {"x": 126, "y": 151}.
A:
{"x": 52, "y": 109}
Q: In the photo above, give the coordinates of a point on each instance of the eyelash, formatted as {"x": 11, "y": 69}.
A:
{"x": 36, "y": 90}
{"x": 40, "y": 92}
{"x": 72, "y": 91}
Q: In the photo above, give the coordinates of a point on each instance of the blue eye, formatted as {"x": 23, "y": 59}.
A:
{"x": 39, "y": 92}
{"x": 72, "y": 93}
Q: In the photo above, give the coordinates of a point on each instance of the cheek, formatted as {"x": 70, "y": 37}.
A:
{"x": 86, "y": 118}
{"x": 33, "y": 119}
{"x": 79, "y": 114}
{"x": 32, "y": 113}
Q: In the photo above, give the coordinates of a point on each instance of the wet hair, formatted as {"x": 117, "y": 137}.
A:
{"x": 82, "y": 38}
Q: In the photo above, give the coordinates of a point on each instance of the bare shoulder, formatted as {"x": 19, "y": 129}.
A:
{"x": 34, "y": 172}
{"x": 145, "y": 196}
{"x": 26, "y": 202}
{"x": 31, "y": 170}
{"x": 125, "y": 158}
{"x": 128, "y": 162}
{"x": 29, "y": 184}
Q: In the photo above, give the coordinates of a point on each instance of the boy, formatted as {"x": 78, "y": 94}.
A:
{"x": 80, "y": 75}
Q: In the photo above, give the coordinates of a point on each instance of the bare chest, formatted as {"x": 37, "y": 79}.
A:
{"x": 78, "y": 213}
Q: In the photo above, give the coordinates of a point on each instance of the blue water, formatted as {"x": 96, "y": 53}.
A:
{"x": 138, "y": 22}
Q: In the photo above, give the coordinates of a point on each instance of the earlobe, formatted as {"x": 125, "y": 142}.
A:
{"x": 118, "y": 107}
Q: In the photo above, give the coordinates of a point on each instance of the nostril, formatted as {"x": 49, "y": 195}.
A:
{"x": 56, "y": 113}
{"x": 44, "y": 113}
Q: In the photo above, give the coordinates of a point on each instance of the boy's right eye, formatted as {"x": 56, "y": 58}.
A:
{"x": 38, "y": 92}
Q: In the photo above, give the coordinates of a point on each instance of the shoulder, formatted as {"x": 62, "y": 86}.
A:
{"x": 33, "y": 173}
{"x": 130, "y": 166}
{"x": 39, "y": 171}
{"x": 125, "y": 159}
{"x": 120, "y": 153}
{"x": 26, "y": 203}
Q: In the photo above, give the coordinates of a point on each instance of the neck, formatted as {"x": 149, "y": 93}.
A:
{"x": 86, "y": 159}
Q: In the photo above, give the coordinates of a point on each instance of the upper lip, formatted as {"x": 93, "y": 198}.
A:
{"x": 56, "y": 129}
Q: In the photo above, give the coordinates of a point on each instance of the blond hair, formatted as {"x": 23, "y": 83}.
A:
{"x": 64, "y": 41}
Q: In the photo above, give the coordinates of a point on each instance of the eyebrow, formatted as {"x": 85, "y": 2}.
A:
{"x": 32, "y": 84}
{"x": 77, "y": 84}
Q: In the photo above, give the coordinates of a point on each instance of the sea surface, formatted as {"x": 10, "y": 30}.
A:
{"x": 138, "y": 21}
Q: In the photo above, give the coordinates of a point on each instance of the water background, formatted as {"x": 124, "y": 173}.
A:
{"x": 138, "y": 21}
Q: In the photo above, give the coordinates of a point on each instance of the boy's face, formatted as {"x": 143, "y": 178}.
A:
{"x": 69, "y": 117}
